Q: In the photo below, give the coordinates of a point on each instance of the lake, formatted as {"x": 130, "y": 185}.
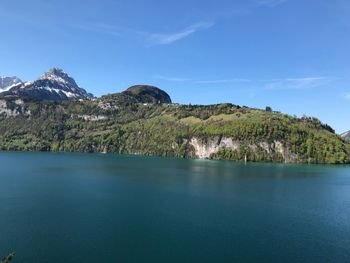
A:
{"x": 110, "y": 208}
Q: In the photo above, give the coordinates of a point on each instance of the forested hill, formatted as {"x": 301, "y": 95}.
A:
{"x": 144, "y": 121}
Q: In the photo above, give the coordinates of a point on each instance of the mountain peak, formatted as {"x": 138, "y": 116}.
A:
{"x": 57, "y": 74}
{"x": 54, "y": 84}
{"x": 55, "y": 71}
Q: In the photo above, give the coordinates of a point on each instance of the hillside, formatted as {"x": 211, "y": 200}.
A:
{"x": 123, "y": 123}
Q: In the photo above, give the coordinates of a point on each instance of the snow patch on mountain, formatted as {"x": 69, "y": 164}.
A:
{"x": 7, "y": 83}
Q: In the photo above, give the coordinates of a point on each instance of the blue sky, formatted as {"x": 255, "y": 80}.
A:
{"x": 292, "y": 55}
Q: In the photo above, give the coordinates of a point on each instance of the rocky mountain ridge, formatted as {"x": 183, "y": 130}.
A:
{"x": 6, "y": 83}
{"x": 55, "y": 85}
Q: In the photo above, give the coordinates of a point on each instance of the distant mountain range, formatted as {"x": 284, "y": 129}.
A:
{"x": 56, "y": 85}
{"x": 52, "y": 85}
{"x": 346, "y": 135}
{"x": 53, "y": 113}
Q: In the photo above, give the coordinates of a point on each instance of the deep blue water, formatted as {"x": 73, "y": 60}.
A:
{"x": 108, "y": 208}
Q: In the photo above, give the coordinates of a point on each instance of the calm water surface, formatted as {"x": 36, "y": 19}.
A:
{"x": 105, "y": 208}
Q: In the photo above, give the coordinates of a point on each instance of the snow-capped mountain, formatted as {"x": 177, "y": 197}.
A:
{"x": 52, "y": 85}
{"x": 6, "y": 83}
{"x": 346, "y": 135}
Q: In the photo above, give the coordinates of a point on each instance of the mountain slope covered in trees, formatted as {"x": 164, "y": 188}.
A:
{"x": 120, "y": 123}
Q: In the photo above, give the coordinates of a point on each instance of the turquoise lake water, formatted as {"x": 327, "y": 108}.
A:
{"x": 109, "y": 208}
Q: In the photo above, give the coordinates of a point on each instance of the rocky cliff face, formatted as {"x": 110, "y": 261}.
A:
{"x": 207, "y": 148}
{"x": 16, "y": 108}
{"x": 204, "y": 149}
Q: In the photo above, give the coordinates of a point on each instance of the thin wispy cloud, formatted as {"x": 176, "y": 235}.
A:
{"x": 196, "y": 81}
{"x": 296, "y": 83}
{"x": 272, "y": 84}
{"x": 218, "y": 81}
{"x": 150, "y": 38}
{"x": 156, "y": 38}
{"x": 166, "y": 39}
{"x": 347, "y": 95}
{"x": 172, "y": 79}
